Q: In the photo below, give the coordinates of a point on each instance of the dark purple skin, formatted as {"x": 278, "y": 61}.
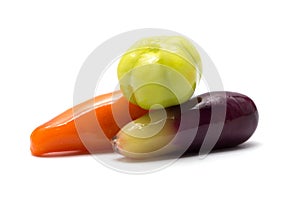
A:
{"x": 240, "y": 118}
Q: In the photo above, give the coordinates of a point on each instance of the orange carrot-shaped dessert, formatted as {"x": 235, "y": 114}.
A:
{"x": 74, "y": 130}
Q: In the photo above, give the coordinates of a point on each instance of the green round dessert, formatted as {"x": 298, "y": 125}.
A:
{"x": 159, "y": 71}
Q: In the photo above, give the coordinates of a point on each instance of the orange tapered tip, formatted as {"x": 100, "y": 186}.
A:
{"x": 61, "y": 135}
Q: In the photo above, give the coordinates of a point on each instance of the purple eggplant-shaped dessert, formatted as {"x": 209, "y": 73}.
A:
{"x": 209, "y": 121}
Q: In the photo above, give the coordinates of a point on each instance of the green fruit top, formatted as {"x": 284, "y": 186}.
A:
{"x": 159, "y": 71}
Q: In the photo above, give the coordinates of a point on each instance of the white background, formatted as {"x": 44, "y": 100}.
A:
{"x": 254, "y": 44}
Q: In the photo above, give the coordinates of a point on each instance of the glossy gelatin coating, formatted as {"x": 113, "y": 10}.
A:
{"x": 162, "y": 70}
{"x": 241, "y": 119}
{"x": 61, "y": 134}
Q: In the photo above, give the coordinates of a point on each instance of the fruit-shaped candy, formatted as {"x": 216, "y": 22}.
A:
{"x": 159, "y": 71}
